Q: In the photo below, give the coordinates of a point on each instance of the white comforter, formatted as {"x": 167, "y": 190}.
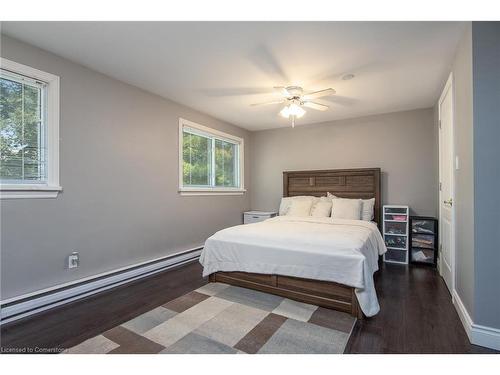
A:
{"x": 342, "y": 251}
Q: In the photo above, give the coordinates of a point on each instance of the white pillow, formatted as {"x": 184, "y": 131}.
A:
{"x": 367, "y": 207}
{"x": 367, "y": 213}
{"x": 346, "y": 208}
{"x": 322, "y": 208}
{"x": 284, "y": 205}
{"x": 286, "y": 202}
{"x": 317, "y": 200}
{"x": 320, "y": 199}
{"x": 300, "y": 207}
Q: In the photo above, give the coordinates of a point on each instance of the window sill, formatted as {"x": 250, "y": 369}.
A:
{"x": 196, "y": 191}
{"x": 28, "y": 191}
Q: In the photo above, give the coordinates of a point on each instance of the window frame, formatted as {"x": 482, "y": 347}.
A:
{"x": 217, "y": 134}
{"x": 51, "y": 187}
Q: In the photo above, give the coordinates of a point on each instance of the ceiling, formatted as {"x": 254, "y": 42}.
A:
{"x": 220, "y": 68}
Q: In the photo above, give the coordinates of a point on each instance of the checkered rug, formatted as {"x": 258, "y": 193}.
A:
{"x": 218, "y": 318}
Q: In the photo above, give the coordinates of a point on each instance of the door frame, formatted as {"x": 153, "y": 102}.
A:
{"x": 449, "y": 86}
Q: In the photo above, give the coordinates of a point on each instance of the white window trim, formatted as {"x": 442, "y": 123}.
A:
{"x": 218, "y": 190}
{"x": 51, "y": 188}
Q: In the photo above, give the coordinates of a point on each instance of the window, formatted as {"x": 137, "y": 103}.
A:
{"x": 29, "y": 132}
{"x": 210, "y": 161}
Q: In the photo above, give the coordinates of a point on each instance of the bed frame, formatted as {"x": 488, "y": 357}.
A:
{"x": 345, "y": 183}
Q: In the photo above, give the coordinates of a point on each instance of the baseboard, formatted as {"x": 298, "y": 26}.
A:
{"x": 478, "y": 335}
{"x": 463, "y": 314}
{"x": 486, "y": 336}
{"x": 33, "y": 303}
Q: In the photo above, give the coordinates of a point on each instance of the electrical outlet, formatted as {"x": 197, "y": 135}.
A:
{"x": 74, "y": 260}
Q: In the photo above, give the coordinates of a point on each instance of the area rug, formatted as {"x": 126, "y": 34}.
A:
{"x": 222, "y": 319}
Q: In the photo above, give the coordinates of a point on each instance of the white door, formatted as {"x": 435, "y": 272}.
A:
{"x": 446, "y": 178}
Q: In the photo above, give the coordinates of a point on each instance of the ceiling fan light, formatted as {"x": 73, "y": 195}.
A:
{"x": 296, "y": 110}
{"x": 285, "y": 112}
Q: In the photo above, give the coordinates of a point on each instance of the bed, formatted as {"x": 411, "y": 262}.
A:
{"x": 323, "y": 261}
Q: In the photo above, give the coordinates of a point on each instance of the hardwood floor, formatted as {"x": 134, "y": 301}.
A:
{"x": 416, "y": 314}
{"x": 76, "y": 322}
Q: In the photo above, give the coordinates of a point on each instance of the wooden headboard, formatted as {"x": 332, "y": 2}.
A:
{"x": 362, "y": 183}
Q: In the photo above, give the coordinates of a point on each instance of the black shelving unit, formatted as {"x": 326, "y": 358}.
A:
{"x": 423, "y": 240}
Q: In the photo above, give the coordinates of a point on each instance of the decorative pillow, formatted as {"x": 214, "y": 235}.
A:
{"x": 317, "y": 200}
{"x": 367, "y": 207}
{"x": 284, "y": 205}
{"x": 346, "y": 208}
{"x": 367, "y": 213}
{"x": 286, "y": 202}
{"x": 322, "y": 208}
{"x": 300, "y": 207}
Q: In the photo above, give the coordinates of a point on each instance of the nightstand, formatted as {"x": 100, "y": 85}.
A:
{"x": 256, "y": 216}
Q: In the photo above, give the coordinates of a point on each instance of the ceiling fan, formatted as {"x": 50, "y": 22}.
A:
{"x": 294, "y": 99}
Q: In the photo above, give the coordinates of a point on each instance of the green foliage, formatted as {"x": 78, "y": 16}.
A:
{"x": 197, "y": 158}
{"x": 20, "y": 112}
{"x": 197, "y": 161}
{"x": 224, "y": 164}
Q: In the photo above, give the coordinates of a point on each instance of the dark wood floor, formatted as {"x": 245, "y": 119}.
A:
{"x": 416, "y": 314}
{"x": 73, "y": 323}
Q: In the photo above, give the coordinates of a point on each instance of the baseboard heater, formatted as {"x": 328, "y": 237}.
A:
{"x": 26, "y": 305}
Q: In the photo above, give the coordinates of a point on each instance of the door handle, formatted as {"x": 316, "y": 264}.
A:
{"x": 449, "y": 202}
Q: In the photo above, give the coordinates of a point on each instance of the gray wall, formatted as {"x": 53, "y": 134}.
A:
{"x": 486, "y": 88}
{"x": 403, "y": 144}
{"x": 464, "y": 181}
{"x": 119, "y": 172}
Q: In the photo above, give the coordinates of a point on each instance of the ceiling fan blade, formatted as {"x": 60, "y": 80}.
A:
{"x": 266, "y": 60}
{"x": 283, "y": 91}
{"x": 317, "y": 106}
{"x": 341, "y": 100}
{"x": 236, "y": 91}
{"x": 319, "y": 94}
{"x": 268, "y": 103}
